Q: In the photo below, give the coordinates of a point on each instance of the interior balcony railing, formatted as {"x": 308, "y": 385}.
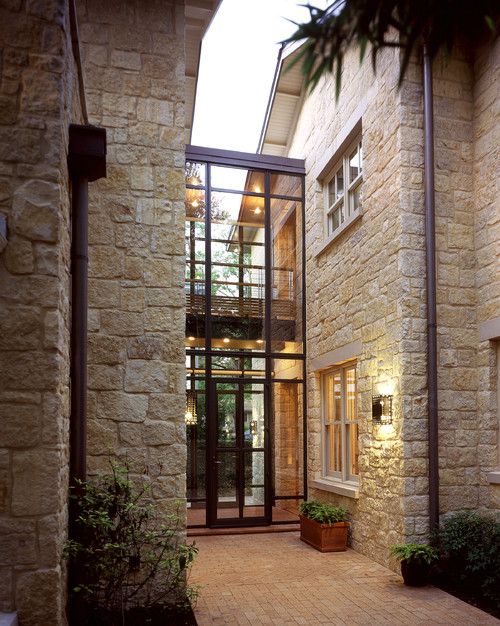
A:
{"x": 233, "y": 298}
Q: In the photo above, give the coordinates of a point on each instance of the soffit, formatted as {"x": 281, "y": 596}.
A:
{"x": 285, "y": 102}
{"x": 198, "y": 16}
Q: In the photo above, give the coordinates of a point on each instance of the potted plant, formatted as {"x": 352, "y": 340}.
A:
{"x": 416, "y": 560}
{"x": 324, "y": 526}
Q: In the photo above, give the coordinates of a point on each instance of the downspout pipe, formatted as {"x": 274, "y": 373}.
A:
{"x": 86, "y": 163}
{"x": 430, "y": 260}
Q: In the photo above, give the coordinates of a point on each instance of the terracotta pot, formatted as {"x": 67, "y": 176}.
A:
{"x": 324, "y": 537}
{"x": 415, "y": 573}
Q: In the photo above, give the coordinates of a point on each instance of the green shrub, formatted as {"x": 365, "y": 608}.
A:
{"x": 322, "y": 512}
{"x": 414, "y": 552}
{"x": 470, "y": 544}
{"x": 125, "y": 556}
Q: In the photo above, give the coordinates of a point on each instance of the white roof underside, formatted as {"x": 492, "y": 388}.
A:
{"x": 284, "y": 106}
{"x": 198, "y": 15}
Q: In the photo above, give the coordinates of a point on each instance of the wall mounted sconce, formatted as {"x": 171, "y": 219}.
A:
{"x": 190, "y": 417}
{"x": 382, "y": 409}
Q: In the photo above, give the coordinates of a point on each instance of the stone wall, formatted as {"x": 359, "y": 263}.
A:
{"x": 355, "y": 287}
{"x": 134, "y": 69}
{"x": 38, "y": 100}
{"x": 369, "y": 285}
{"x": 487, "y": 275}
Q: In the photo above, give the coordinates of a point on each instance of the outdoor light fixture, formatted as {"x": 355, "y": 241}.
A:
{"x": 226, "y": 340}
{"x": 191, "y": 338}
{"x": 382, "y": 409}
{"x": 190, "y": 416}
{"x": 253, "y": 427}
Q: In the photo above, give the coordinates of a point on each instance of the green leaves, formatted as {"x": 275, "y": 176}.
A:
{"x": 470, "y": 544}
{"x": 405, "y": 24}
{"x": 126, "y": 553}
{"x": 322, "y": 512}
{"x": 414, "y": 552}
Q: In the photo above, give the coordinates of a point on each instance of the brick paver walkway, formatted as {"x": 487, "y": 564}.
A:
{"x": 277, "y": 579}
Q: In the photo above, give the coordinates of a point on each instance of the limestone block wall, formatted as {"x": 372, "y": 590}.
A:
{"x": 369, "y": 285}
{"x": 486, "y": 137}
{"x": 467, "y": 235}
{"x": 355, "y": 288}
{"x": 134, "y": 68}
{"x": 38, "y": 100}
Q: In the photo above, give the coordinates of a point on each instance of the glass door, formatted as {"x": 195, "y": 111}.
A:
{"x": 239, "y": 455}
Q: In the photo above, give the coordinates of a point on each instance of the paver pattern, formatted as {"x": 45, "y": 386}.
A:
{"x": 277, "y": 579}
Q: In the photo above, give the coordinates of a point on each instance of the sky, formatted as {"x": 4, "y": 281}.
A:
{"x": 238, "y": 61}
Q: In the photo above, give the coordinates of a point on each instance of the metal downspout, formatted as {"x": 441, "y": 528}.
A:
{"x": 430, "y": 260}
{"x": 79, "y": 290}
{"x": 86, "y": 162}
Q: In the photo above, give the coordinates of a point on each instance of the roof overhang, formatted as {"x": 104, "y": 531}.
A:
{"x": 198, "y": 16}
{"x": 285, "y": 103}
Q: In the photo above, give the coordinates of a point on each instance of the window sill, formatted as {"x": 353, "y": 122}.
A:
{"x": 493, "y": 477}
{"x": 349, "y": 490}
{"x": 336, "y": 234}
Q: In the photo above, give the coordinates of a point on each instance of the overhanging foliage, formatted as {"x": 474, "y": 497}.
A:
{"x": 373, "y": 23}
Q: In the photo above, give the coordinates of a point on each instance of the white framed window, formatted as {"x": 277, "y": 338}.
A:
{"x": 340, "y": 423}
{"x": 342, "y": 189}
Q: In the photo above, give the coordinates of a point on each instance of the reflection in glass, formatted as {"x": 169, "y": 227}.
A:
{"x": 287, "y": 369}
{"x": 253, "y": 419}
{"x": 254, "y": 482}
{"x": 286, "y": 276}
{"x": 334, "y": 448}
{"x": 288, "y": 438}
{"x": 226, "y": 418}
{"x": 196, "y": 446}
{"x": 227, "y": 493}
{"x": 337, "y": 396}
{"x": 355, "y": 163}
{"x": 355, "y": 199}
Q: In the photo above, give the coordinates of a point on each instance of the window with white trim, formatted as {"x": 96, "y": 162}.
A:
{"x": 343, "y": 188}
{"x": 340, "y": 423}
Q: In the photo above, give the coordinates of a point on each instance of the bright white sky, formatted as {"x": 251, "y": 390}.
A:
{"x": 238, "y": 61}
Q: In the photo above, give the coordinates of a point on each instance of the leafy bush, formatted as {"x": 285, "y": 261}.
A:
{"x": 125, "y": 556}
{"x": 414, "y": 552}
{"x": 470, "y": 544}
{"x": 322, "y": 512}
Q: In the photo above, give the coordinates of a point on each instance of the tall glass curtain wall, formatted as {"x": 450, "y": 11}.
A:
{"x": 244, "y": 344}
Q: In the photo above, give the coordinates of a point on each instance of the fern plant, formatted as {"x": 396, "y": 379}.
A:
{"x": 414, "y": 553}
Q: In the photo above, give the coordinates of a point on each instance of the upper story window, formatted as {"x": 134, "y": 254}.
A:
{"x": 343, "y": 188}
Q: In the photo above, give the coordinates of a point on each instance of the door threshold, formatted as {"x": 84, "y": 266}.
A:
{"x": 243, "y": 530}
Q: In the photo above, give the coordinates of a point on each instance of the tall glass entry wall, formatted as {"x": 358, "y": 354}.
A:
{"x": 245, "y": 401}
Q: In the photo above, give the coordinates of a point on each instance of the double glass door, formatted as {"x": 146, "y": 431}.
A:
{"x": 237, "y": 452}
